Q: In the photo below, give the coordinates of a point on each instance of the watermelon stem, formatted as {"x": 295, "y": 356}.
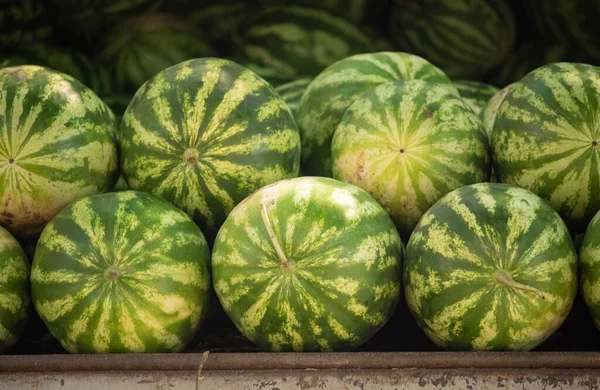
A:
{"x": 278, "y": 249}
{"x": 503, "y": 277}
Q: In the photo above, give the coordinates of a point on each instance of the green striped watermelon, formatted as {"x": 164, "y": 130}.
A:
{"x": 14, "y": 290}
{"x": 489, "y": 111}
{"x": 205, "y": 134}
{"x": 475, "y": 94}
{"x": 589, "y": 261}
{"x": 218, "y": 20}
{"x": 490, "y": 267}
{"x": 308, "y": 264}
{"x": 292, "y": 92}
{"x": 465, "y": 38}
{"x": 140, "y": 47}
{"x": 337, "y": 87}
{"x": 121, "y": 184}
{"x": 407, "y": 143}
{"x": 528, "y": 56}
{"x": 570, "y": 21}
{"x": 83, "y": 21}
{"x": 57, "y": 144}
{"x": 356, "y": 11}
{"x": 118, "y": 103}
{"x": 269, "y": 74}
{"x": 121, "y": 272}
{"x": 298, "y": 42}
{"x": 71, "y": 62}
{"x": 23, "y": 22}
{"x": 546, "y": 139}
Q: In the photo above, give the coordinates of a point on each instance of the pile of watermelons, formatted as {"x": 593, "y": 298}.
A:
{"x": 312, "y": 168}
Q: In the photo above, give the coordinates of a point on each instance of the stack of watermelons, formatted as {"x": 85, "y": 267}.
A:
{"x": 322, "y": 167}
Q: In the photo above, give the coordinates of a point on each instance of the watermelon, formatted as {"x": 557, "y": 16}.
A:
{"x": 298, "y": 42}
{"x": 218, "y": 20}
{"x": 337, "y": 87}
{"x": 407, "y": 143}
{"x": 465, "y": 38}
{"x": 140, "y": 47}
{"x": 57, "y": 144}
{"x": 121, "y": 184}
{"x": 528, "y": 56}
{"x": 570, "y": 21}
{"x": 356, "y": 11}
{"x": 489, "y": 111}
{"x": 546, "y": 139}
{"x": 118, "y": 103}
{"x": 475, "y": 94}
{"x": 14, "y": 290}
{"x": 82, "y": 21}
{"x": 292, "y": 92}
{"x": 71, "y": 62}
{"x": 204, "y": 135}
{"x": 490, "y": 267}
{"x": 269, "y": 74}
{"x": 121, "y": 272}
{"x": 589, "y": 260}
{"x": 23, "y": 22}
{"x": 308, "y": 264}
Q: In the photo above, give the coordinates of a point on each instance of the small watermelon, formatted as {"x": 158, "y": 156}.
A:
{"x": 407, "y": 143}
{"x": 14, "y": 290}
{"x": 475, "y": 94}
{"x": 298, "y": 42}
{"x": 292, "y": 92}
{"x": 140, "y": 47}
{"x": 57, "y": 144}
{"x": 546, "y": 139}
{"x": 308, "y": 264}
{"x": 121, "y": 272}
{"x": 204, "y": 135}
{"x": 337, "y": 87}
{"x": 589, "y": 260}
{"x": 490, "y": 267}
{"x": 465, "y": 38}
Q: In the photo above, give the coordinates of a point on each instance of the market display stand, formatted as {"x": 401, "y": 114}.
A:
{"x": 361, "y": 370}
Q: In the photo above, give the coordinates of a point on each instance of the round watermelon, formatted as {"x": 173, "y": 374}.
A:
{"x": 475, "y": 93}
{"x": 308, "y": 264}
{"x": 57, "y": 144}
{"x": 298, "y": 42}
{"x": 528, "y": 56}
{"x": 407, "y": 143}
{"x": 569, "y": 21}
{"x": 337, "y": 87}
{"x": 23, "y": 22}
{"x": 71, "y": 62}
{"x": 14, "y": 290}
{"x": 138, "y": 48}
{"x": 589, "y": 263}
{"x": 217, "y": 19}
{"x": 490, "y": 267}
{"x": 204, "y": 135}
{"x": 121, "y": 272}
{"x": 546, "y": 139}
{"x": 81, "y": 22}
{"x": 489, "y": 111}
{"x": 291, "y": 93}
{"x": 463, "y": 37}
